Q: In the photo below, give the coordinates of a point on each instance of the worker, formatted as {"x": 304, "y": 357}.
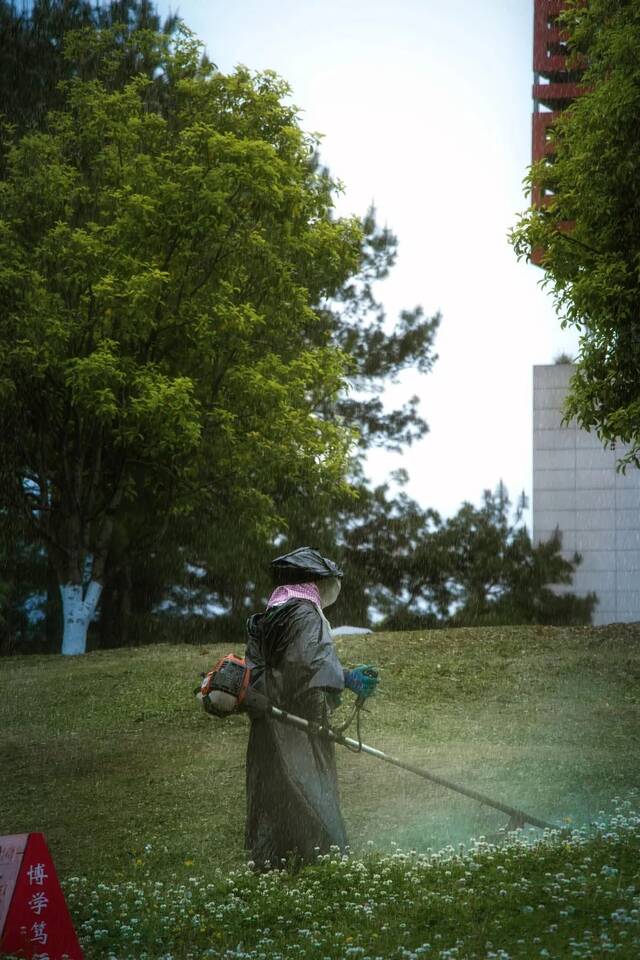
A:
{"x": 293, "y": 809}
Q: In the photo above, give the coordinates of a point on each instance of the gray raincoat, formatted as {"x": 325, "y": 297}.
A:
{"x": 292, "y": 790}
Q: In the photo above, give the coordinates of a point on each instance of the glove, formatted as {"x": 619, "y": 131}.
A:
{"x": 363, "y": 680}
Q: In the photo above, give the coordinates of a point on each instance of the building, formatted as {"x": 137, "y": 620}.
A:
{"x": 555, "y": 85}
{"x": 576, "y": 487}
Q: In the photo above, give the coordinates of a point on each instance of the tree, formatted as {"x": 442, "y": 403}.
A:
{"x": 589, "y": 228}
{"x": 480, "y": 567}
{"x": 36, "y": 56}
{"x": 160, "y": 261}
{"x": 23, "y": 583}
{"x": 499, "y": 576}
{"x": 228, "y": 574}
{"x": 34, "y": 61}
{"x": 359, "y": 325}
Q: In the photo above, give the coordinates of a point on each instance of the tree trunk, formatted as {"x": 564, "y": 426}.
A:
{"x": 78, "y": 607}
{"x": 125, "y": 605}
{"x": 115, "y": 609}
{"x": 53, "y": 613}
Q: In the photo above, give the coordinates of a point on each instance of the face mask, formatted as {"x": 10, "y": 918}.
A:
{"x": 329, "y": 590}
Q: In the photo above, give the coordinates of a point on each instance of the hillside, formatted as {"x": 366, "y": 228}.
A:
{"x": 111, "y": 757}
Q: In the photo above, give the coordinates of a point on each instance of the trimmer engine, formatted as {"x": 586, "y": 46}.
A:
{"x": 224, "y": 688}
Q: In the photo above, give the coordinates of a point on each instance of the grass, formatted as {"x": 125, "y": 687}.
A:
{"x": 111, "y": 757}
{"x": 566, "y": 896}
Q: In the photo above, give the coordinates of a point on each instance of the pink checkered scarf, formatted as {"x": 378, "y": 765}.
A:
{"x": 302, "y": 591}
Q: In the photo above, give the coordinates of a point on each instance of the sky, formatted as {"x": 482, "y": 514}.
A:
{"x": 425, "y": 111}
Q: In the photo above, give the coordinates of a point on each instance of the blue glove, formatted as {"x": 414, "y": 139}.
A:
{"x": 363, "y": 680}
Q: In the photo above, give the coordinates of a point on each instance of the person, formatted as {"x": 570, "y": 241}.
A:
{"x": 293, "y": 809}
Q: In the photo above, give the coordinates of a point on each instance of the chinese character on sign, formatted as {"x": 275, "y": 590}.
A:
{"x": 39, "y": 934}
{"x": 36, "y": 874}
{"x": 39, "y": 902}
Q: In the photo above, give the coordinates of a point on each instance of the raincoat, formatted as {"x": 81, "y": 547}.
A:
{"x": 292, "y": 790}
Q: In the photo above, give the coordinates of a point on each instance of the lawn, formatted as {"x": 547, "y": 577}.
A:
{"x": 112, "y": 758}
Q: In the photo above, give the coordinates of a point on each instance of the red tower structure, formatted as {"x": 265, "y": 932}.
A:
{"x": 555, "y": 84}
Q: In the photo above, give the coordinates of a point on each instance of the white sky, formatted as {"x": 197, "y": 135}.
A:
{"x": 425, "y": 107}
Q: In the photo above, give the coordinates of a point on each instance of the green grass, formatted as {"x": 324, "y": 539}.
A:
{"x": 112, "y": 758}
{"x": 565, "y": 897}
{"x": 108, "y": 752}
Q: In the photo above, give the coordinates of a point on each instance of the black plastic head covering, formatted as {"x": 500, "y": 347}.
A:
{"x": 303, "y": 565}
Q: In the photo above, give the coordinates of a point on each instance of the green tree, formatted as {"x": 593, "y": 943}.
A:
{"x": 33, "y": 60}
{"x": 499, "y": 576}
{"x": 480, "y": 567}
{"x": 23, "y": 585}
{"x": 159, "y": 263}
{"x": 36, "y": 56}
{"x": 230, "y": 559}
{"x": 381, "y": 550}
{"x": 379, "y": 351}
{"x": 589, "y": 226}
{"x": 366, "y": 528}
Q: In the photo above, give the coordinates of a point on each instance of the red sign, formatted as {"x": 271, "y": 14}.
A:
{"x": 34, "y": 918}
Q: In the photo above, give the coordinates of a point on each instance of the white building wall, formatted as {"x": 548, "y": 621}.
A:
{"x": 576, "y": 487}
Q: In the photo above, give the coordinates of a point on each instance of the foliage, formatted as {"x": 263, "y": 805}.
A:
{"x": 381, "y": 545}
{"x": 157, "y": 329}
{"x": 23, "y": 572}
{"x": 229, "y": 572}
{"x": 223, "y": 527}
{"x": 588, "y": 228}
{"x": 35, "y": 58}
{"x": 360, "y": 327}
{"x": 405, "y": 567}
{"x": 477, "y": 567}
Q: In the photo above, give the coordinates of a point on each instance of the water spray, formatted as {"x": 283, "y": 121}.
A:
{"x": 517, "y": 818}
{"x": 225, "y": 690}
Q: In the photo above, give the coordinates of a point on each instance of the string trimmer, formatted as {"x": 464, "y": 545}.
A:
{"x": 226, "y": 690}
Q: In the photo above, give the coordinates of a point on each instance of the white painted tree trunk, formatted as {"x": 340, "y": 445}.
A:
{"x": 78, "y": 608}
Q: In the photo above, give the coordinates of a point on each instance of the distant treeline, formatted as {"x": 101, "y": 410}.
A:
{"x": 405, "y": 568}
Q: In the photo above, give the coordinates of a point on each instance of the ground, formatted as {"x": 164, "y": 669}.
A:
{"x": 110, "y": 752}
